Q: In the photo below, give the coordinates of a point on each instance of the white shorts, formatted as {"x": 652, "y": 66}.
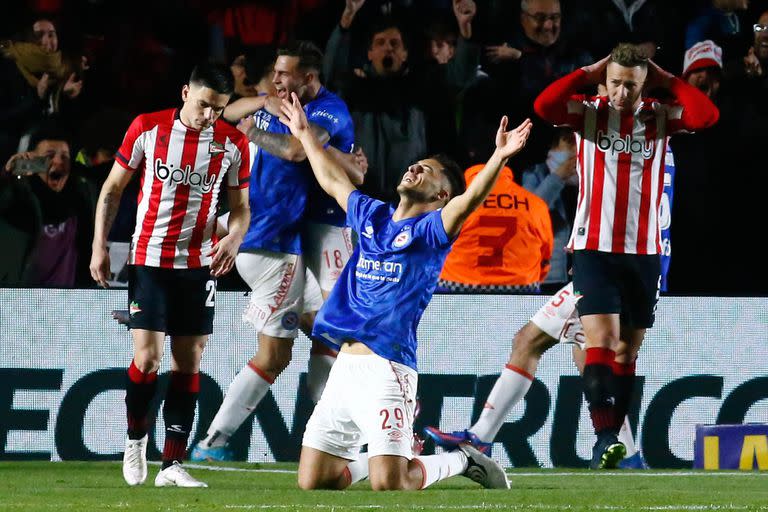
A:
{"x": 313, "y": 296}
{"x": 560, "y": 319}
{"x": 367, "y": 399}
{"x": 326, "y": 250}
{"x": 277, "y": 285}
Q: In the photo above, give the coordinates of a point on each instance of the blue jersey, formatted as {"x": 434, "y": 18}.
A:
{"x": 335, "y": 118}
{"x": 665, "y": 216}
{"x": 387, "y": 283}
{"x": 279, "y": 188}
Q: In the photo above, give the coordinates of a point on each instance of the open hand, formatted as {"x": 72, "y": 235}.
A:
{"x": 224, "y": 254}
{"x": 501, "y": 53}
{"x": 509, "y": 143}
{"x": 294, "y": 116}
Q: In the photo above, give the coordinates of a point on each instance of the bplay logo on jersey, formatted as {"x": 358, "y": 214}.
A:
{"x": 615, "y": 144}
{"x": 186, "y": 176}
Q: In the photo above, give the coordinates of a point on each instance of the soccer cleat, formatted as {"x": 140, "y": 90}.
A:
{"x": 200, "y": 453}
{"x": 607, "y": 452}
{"x": 483, "y": 469}
{"x": 635, "y": 461}
{"x": 176, "y": 476}
{"x": 135, "y": 461}
{"x": 453, "y": 440}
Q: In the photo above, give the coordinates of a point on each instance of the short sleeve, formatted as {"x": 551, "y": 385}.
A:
{"x": 430, "y": 228}
{"x": 329, "y": 116}
{"x": 239, "y": 174}
{"x": 131, "y": 152}
{"x": 360, "y": 207}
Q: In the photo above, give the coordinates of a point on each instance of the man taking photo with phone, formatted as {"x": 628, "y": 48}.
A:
{"x": 50, "y": 214}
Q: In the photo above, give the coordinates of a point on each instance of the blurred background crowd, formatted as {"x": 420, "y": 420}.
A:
{"x": 419, "y": 76}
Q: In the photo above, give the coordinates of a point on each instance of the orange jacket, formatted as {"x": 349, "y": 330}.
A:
{"x": 507, "y": 241}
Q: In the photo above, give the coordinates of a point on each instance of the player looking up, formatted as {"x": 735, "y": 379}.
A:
{"x": 372, "y": 315}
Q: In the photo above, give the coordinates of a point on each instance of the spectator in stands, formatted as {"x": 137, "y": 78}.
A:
{"x": 718, "y": 22}
{"x": 504, "y": 246}
{"x": 387, "y": 98}
{"x": 555, "y": 181}
{"x": 61, "y": 250}
{"x": 36, "y": 80}
{"x": 531, "y": 59}
{"x": 600, "y": 24}
{"x": 703, "y": 67}
{"x": 756, "y": 60}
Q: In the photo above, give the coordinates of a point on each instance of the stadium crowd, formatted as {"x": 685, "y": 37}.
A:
{"x": 418, "y": 77}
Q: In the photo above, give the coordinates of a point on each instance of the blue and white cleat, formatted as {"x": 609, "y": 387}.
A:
{"x": 454, "y": 439}
{"x": 635, "y": 461}
{"x": 201, "y": 453}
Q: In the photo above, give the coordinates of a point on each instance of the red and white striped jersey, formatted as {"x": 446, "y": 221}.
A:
{"x": 620, "y": 160}
{"x": 182, "y": 171}
{"x": 621, "y": 174}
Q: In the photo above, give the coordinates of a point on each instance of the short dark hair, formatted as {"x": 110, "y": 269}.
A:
{"x": 629, "y": 55}
{"x": 310, "y": 56}
{"x": 48, "y": 129}
{"x": 383, "y": 24}
{"x": 213, "y": 75}
{"x": 452, "y": 172}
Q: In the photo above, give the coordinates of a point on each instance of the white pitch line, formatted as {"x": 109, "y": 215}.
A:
{"x": 503, "y": 506}
{"x": 513, "y": 474}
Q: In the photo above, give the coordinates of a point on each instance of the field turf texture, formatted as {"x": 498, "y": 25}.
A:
{"x": 86, "y": 486}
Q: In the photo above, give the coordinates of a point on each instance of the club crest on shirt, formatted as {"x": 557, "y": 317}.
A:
{"x": 215, "y": 148}
{"x": 402, "y": 239}
{"x": 368, "y": 233}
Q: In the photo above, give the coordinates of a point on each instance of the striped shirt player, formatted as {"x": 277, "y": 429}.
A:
{"x": 184, "y": 157}
{"x": 621, "y": 140}
{"x": 182, "y": 170}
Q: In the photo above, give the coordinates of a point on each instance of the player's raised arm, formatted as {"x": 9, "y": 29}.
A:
{"x": 329, "y": 173}
{"x": 508, "y": 143}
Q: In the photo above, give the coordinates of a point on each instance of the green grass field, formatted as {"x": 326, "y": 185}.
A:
{"x": 85, "y": 486}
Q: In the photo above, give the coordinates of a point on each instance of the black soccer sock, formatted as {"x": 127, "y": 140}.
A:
{"x": 179, "y": 413}
{"x": 599, "y": 389}
{"x": 139, "y": 391}
{"x": 624, "y": 379}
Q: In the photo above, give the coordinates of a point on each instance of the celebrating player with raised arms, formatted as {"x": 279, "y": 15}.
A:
{"x": 372, "y": 315}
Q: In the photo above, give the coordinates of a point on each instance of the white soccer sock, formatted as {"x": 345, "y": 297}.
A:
{"x": 244, "y": 394}
{"x": 318, "y": 367}
{"x": 439, "y": 467}
{"x": 625, "y": 437}
{"x": 510, "y": 388}
{"x": 358, "y": 469}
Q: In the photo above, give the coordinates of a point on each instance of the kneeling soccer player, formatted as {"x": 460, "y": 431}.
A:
{"x": 372, "y": 314}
